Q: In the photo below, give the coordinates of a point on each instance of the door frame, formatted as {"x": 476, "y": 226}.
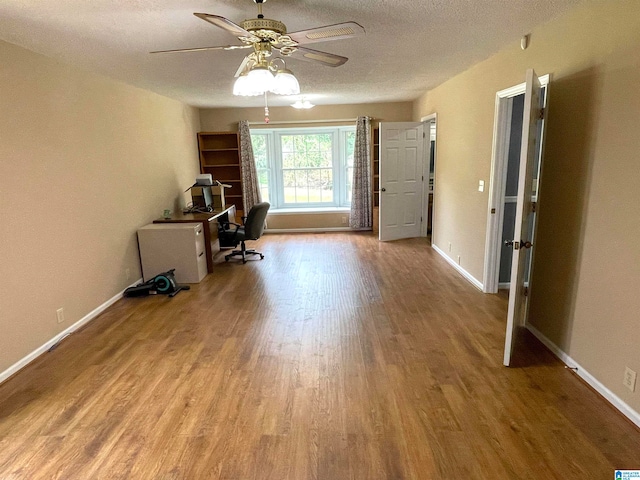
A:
{"x": 428, "y": 120}
{"x": 499, "y": 164}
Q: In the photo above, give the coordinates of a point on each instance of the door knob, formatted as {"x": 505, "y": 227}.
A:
{"x": 383, "y": 189}
{"x": 518, "y": 245}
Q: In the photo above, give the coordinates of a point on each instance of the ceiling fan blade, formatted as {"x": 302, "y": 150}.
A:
{"x": 227, "y": 25}
{"x": 328, "y": 59}
{"x": 328, "y": 32}
{"x": 201, "y": 49}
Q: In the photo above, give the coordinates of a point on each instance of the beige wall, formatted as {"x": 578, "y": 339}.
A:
{"x": 226, "y": 119}
{"x": 84, "y": 162}
{"x": 587, "y": 266}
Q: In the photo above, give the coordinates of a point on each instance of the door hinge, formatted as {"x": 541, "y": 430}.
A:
{"x": 541, "y": 115}
{"x": 533, "y": 207}
{"x": 424, "y": 134}
{"x": 423, "y": 178}
{"x": 525, "y": 292}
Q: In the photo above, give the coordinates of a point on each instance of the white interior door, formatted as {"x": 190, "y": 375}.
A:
{"x": 401, "y": 179}
{"x": 518, "y": 304}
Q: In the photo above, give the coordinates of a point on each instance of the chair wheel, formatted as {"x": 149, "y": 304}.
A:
{"x": 261, "y": 257}
{"x": 226, "y": 259}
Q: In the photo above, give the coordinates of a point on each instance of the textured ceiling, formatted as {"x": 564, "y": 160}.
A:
{"x": 410, "y": 45}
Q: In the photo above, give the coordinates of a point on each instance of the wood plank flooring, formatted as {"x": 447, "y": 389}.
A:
{"x": 336, "y": 357}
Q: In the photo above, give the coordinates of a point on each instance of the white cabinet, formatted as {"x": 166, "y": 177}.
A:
{"x": 173, "y": 245}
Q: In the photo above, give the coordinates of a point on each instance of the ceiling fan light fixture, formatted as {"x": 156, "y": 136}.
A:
{"x": 285, "y": 83}
{"x": 258, "y": 75}
{"x": 303, "y": 104}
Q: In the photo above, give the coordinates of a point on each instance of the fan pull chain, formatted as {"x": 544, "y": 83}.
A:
{"x": 266, "y": 109}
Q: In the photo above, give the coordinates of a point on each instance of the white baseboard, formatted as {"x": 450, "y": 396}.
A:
{"x": 315, "y": 230}
{"x": 611, "y": 397}
{"x": 474, "y": 281}
{"x": 50, "y": 343}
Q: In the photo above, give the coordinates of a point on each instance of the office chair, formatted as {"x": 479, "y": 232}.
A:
{"x": 233, "y": 233}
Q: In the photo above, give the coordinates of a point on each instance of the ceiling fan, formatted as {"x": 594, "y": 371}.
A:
{"x": 264, "y": 36}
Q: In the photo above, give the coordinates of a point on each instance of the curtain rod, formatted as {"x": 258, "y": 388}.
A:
{"x": 286, "y": 122}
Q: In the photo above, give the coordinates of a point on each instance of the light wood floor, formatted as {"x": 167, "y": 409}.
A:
{"x": 336, "y": 357}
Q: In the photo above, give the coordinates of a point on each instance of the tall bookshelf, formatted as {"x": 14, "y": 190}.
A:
{"x": 220, "y": 156}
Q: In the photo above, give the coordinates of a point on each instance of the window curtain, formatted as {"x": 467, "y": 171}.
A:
{"x": 361, "y": 209}
{"x": 250, "y": 187}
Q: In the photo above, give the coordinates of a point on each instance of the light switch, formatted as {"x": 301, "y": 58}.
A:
{"x": 481, "y": 186}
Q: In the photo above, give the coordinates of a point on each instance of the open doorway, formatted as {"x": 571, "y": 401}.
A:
{"x": 504, "y": 185}
{"x": 430, "y": 173}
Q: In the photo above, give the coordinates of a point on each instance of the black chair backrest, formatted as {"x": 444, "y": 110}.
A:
{"x": 254, "y": 224}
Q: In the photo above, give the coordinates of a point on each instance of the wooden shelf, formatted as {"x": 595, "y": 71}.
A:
{"x": 220, "y": 156}
{"x": 209, "y": 141}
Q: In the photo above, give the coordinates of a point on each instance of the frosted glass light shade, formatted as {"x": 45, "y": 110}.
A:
{"x": 260, "y": 79}
{"x": 285, "y": 83}
{"x": 303, "y": 104}
{"x": 242, "y": 88}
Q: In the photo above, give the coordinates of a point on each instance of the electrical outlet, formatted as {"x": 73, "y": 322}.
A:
{"x": 127, "y": 272}
{"x": 344, "y": 219}
{"x": 60, "y": 314}
{"x": 629, "y": 380}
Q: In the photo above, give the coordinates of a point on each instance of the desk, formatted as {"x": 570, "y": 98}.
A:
{"x": 209, "y": 222}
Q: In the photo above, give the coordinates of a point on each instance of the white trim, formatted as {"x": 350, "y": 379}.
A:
{"x": 308, "y": 211}
{"x": 316, "y": 230}
{"x": 429, "y": 118}
{"x": 474, "y": 281}
{"x": 502, "y": 118}
{"x": 611, "y": 397}
{"x": 53, "y": 341}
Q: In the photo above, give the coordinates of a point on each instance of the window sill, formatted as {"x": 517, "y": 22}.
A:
{"x": 308, "y": 210}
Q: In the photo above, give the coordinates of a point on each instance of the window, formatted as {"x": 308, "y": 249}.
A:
{"x": 305, "y": 167}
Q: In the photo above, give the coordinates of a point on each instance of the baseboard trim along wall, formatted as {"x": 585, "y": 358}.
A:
{"x": 611, "y": 397}
{"x": 315, "y": 230}
{"x": 474, "y": 281}
{"x": 53, "y": 341}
